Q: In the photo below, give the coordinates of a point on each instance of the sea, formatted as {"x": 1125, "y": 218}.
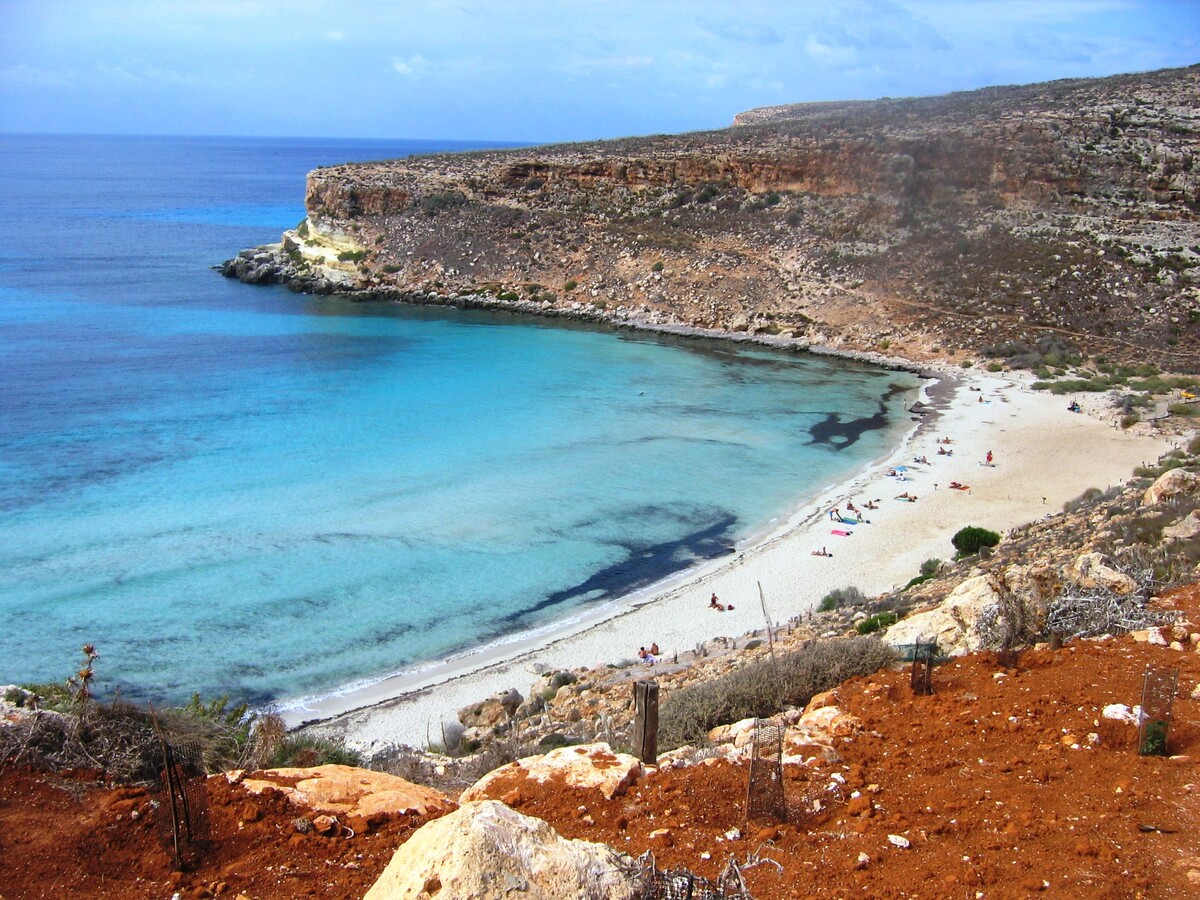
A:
{"x": 233, "y": 489}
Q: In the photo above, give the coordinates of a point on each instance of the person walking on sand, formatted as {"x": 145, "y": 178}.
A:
{"x": 989, "y": 458}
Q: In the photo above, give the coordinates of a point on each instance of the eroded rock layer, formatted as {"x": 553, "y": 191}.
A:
{"x": 1064, "y": 216}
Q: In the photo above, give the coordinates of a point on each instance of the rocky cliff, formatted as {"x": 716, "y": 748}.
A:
{"x": 1064, "y": 216}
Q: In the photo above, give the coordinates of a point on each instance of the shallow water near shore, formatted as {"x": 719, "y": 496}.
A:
{"x": 237, "y": 489}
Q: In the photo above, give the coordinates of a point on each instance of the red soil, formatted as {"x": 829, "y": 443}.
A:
{"x": 980, "y": 778}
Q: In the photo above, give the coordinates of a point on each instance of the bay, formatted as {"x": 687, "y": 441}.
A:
{"x": 237, "y": 489}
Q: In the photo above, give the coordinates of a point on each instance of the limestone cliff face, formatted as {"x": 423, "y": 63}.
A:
{"x": 1064, "y": 214}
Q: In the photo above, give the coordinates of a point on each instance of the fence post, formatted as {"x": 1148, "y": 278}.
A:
{"x": 645, "y": 721}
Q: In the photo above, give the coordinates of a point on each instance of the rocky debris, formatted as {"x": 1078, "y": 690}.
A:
{"x": 1185, "y": 529}
{"x": 491, "y": 712}
{"x": 487, "y": 851}
{"x": 1171, "y": 484}
{"x": 590, "y": 767}
{"x": 1093, "y": 570}
{"x": 346, "y": 791}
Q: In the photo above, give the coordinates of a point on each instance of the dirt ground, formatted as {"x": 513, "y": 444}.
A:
{"x": 995, "y": 781}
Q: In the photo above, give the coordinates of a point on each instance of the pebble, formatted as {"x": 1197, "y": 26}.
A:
{"x": 900, "y": 841}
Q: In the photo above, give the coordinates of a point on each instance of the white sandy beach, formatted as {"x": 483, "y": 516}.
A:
{"x": 1043, "y": 456}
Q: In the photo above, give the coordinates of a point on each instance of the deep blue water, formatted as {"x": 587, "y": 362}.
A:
{"x": 237, "y": 489}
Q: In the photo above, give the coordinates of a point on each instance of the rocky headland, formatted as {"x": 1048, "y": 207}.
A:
{"x": 1019, "y": 222}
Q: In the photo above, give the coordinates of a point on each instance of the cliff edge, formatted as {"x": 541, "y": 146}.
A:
{"x": 1064, "y": 216}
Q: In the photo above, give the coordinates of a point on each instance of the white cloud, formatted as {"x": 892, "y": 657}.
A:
{"x": 410, "y": 66}
{"x": 28, "y": 75}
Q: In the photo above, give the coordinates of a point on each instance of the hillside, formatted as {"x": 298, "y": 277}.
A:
{"x": 1006, "y": 781}
{"x": 1027, "y": 223}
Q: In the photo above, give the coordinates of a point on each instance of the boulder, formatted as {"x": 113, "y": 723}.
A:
{"x": 1185, "y": 529}
{"x": 587, "y": 767}
{"x": 1169, "y": 484}
{"x": 487, "y": 851}
{"x": 492, "y": 711}
{"x": 1092, "y": 570}
{"x": 953, "y": 624}
{"x": 345, "y": 790}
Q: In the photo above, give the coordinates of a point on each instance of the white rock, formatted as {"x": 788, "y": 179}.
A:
{"x": 953, "y": 624}
{"x": 1184, "y": 529}
{"x": 487, "y": 851}
{"x": 1092, "y": 570}
{"x": 898, "y": 840}
{"x": 586, "y": 767}
{"x": 1175, "y": 481}
{"x": 346, "y": 790}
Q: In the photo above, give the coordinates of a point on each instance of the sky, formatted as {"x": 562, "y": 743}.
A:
{"x": 536, "y": 70}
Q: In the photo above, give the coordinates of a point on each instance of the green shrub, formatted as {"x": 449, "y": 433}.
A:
{"x": 657, "y": 267}
{"x": 47, "y": 695}
{"x": 876, "y": 623}
{"x": 1183, "y": 409}
{"x": 305, "y": 751}
{"x": 1154, "y": 739}
{"x": 839, "y": 597}
{"x": 434, "y": 203}
{"x": 972, "y": 539}
{"x": 765, "y": 686}
{"x": 352, "y": 255}
{"x": 302, "y": 228}
{"x": 570, "y": 285}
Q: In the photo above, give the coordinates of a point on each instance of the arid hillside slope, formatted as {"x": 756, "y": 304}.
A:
{"x": 1008, "y": 781}
{"x": 1065, "y": 214}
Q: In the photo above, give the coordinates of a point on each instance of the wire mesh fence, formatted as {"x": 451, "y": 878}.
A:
{"x": 181, "y": 818}
{"x": 680, "y": 884}
{"x": 764, "y": 790}
{"x": 921, "y": 677}
{"x": 1158, "y": 695}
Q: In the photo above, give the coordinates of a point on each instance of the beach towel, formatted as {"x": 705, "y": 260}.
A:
{"x": 841, "y": 533}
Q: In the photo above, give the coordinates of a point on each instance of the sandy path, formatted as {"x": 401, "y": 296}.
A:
{"x": 1043, "y": 456}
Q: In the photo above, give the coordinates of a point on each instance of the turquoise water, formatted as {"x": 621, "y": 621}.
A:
{"x": 238, "y": 489}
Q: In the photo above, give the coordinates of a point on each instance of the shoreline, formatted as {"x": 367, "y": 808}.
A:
{"x": 1044, "y": 456}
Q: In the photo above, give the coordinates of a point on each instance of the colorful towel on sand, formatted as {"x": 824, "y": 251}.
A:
{"x": 840, "y": 532}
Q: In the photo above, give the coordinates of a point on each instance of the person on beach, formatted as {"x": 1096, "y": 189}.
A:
{"x": 821, "y": 552}
{"x": 911, "y": 498}
{"x": 716, "y": 604}
{"x": 850, "y": 506}
{"x": 988, "y": 461}
{"x": 942, "y": 451}
{"x": 654, "y": 651}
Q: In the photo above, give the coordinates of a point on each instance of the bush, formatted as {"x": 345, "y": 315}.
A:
{"x": 657, "y": 267}
{"x": 839, "y": 597}
{"x": 765, "y": 686}
{"x": 1183, "y": 409}
{"x": 352, "y": 255}
{"x": 305, "y": 751}
{"x": 971, "y": 540}
{"x": 570, "y": 285}
{"x": 877, "y": 623}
